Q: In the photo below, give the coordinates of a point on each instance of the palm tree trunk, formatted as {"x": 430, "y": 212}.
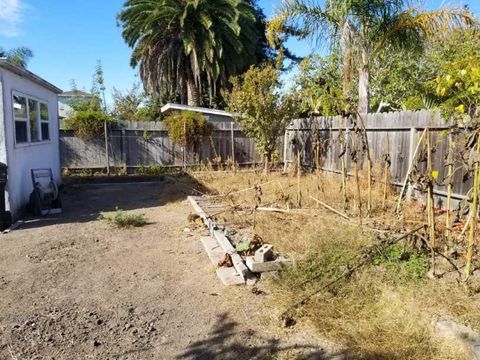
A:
{"x": 364, "y": 82}
{"x": 193, "y": 92}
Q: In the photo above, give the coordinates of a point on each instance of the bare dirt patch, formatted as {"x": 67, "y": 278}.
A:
{"x": 73, "y": 287}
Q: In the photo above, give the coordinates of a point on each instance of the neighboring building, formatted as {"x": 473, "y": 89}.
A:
{"x": 66, "y": 99}
{"x": 28, "y": 132}
{"x": 212, "y": 115}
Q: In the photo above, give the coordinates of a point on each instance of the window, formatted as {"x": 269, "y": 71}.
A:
{"x": 21, "y": 118}
{"x": 44, "y": 122}
{"x": 31, "y": 119}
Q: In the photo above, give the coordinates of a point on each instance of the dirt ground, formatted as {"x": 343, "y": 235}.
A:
{"x": 73, "y": 287}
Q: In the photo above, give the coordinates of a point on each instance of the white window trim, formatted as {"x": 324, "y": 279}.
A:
{"x": 27, "y": 119}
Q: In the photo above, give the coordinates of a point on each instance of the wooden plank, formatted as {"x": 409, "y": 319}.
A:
{"x": 237, "y": 261}
{"x": 213, "y": 249}
{"x": 223, "y": 241}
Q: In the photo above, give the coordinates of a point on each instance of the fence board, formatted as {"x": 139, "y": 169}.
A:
{"x": 399, "y": 131}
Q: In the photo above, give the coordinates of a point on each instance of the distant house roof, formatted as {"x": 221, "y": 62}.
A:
{"x": 7, "y": 65}
{"x": 75, "y": 93}
{"x": 178, "y": 107}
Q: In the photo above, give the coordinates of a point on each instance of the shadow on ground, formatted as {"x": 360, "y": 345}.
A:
{"x": 84, "y": 202}
{"x": 224, "y": 342}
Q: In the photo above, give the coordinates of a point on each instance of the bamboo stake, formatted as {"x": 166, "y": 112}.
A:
{"x": 330, "y": 208}
{"x": 369, "y": 164}
{"x": 474, "y": 212}
{"x": 385, "y": 175}
{"x": 343, "y": 164}
{"x": 449, "y": 189}
{"x": 357, "y": 181}
{"x": 430, "y": 202}
{"x": 410, "y": 167}
{"x": 317, "y": 165}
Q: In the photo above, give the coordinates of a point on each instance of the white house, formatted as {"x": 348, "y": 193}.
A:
{"x": 66, "y": 99}
{"x": 28, "y": 131}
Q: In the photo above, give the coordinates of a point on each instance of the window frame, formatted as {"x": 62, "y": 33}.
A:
{"x": 38, "y": 120}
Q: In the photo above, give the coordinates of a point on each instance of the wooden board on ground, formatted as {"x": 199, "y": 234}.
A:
{"x": 214, "y": 250}
{"x": 238, "y": 264}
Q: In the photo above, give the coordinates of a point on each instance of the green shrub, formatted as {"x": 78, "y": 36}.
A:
{"x": 121, "y": 219}
{"x": 187, "y": 127}
{"x": 409, "y": 265}
{"x": 88, "y": 123}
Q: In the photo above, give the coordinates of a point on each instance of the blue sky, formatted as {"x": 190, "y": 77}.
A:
{"x": 69, "y": 36}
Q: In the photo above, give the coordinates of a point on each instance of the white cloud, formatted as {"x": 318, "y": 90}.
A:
{"x": 10, "y": 17}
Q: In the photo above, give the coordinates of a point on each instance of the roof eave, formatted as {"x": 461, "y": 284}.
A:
{"x": 179, "y": 107}
{"x": 4, "y": 63}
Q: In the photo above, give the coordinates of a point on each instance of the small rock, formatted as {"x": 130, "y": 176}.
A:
{"x": 97, "y": 343}
{"x": 187, "y": 230}
{"x": 288, "y": 321}
{"x": 99, "y": 322}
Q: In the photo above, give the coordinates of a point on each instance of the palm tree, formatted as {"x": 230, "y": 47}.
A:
{"x": 188, "y": 46}
{"x": 19, "y": 56}
{"x": 362, "y": 28}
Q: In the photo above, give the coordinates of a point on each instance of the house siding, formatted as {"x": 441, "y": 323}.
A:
{"x": 22, "y": 158}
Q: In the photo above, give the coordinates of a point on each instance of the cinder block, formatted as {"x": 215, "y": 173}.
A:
{"x": 265, "y": 253}
{"x": 266, "y": 266}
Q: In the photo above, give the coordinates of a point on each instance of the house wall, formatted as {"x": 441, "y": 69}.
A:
{"x": 22, "y": 158}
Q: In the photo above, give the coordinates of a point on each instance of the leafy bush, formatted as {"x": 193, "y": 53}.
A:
{"x": 87, "y": 124}
{"x": 261, "y": 110}
{"x": 187, "y": 127}
{"x": 121, "y": 219}
{"x": 406, "y": 264}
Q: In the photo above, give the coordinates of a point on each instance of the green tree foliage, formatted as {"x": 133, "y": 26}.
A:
{"x": 363, "y": 28}
{"x": 459, "y": 88}
{"x": 98, "y": 84}
{"x": 19, "y": 56}
{"x": 259, "y": 107}
{"x": 89, "y": 117}
{"x": 401, "y": 80}
{"x": 186, "y": 47}
{"x": 318, "y": 86}
{"x": 87, "y": 121}
{"x": 127, "y": 105}
{"x": 187, "y": 128}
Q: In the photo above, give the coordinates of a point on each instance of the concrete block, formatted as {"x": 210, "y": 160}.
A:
{"x": 265, "y": 253}
{"x": 274, "y": 265}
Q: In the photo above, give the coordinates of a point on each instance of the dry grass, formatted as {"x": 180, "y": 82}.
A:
{"x": 385, "y": 309}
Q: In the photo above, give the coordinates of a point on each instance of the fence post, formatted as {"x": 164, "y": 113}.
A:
{"x": 411, "y": 154}
{"x": 124, "y": 150}
{"x": 285, "y": 150}
{"x": 107, "y": 156}
{"x": 233, "y": 144}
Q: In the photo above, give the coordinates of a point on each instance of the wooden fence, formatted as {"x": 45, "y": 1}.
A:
{"x": 396, "y": 134}
{"x": 133, "y": 144}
